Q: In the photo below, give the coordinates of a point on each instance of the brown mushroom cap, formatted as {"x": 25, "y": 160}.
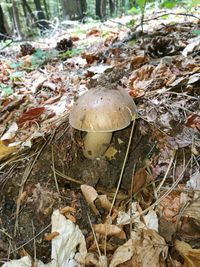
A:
{"x": 103, "y": 110}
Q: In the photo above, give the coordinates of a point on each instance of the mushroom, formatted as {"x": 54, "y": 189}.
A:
{"x": 99, "y": 112}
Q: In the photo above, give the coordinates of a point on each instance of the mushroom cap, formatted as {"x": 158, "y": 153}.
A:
{"x": 103, "y": 110}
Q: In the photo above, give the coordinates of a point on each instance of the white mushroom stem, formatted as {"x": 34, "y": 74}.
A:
{"x": 96, "y": 143}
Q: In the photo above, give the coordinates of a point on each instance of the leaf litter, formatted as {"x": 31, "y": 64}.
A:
{"x": 155, "y": 222}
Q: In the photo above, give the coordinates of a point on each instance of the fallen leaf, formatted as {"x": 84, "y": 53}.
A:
{"x": 148, "y": 249}
{"x": 191, "y": 256}
{"x": 110, "y": 153}
{"x": 6, "y": 150}
{"x": 89, "y": 57}
{"x": 30, "y": 115}
{"x": 153, "y": 250}
{"x": 10, "y": 133}
{"x": 138, "y": 60}
{"x": 109, "y": 230}
{"x": 195, "y": 43}
{"x": 51, "y": 236}
{"x": 193, "y": 121}
{"x": 141, "y": 179}
{"x": 123, "y": 253}
{"x": 151, "y": 220}
{"x": 94, "y": 32}
{"x": 170, "y": 206}
{"x": 105, "y": 203}
{"x": 90, "y": 194}
{"x": 67, "y": 209}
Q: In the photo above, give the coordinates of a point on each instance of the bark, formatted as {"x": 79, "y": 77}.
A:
{"x": 101, "y": 8}
{"x": 16, "y": 20}
{"x": 46, "y": 9}
{"x": 112, "y": 6}
{"x": 42, "y": 23}
{"x": 74, "y": 9}
{"x": 27, "y": 7}
{"x": 3, "y": 31}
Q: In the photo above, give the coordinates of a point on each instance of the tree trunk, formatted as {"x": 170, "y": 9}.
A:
{"x": 74, "y": 9}
{"x": 101, "y": 8}
{"x": 46, "y": 9}
{"x": 16, "y": 20}
{"x": 83, "y": 4}
{"x": 112, "y": 6}
{"x": 3, "y": 31}
{"x": 42, "y": 23}
{"x": 27, "y": 7}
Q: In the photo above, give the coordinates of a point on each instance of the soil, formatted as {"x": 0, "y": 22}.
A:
{"x": 40, "y": 195}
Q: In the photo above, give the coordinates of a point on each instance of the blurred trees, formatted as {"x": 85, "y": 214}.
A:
{"x": 3, "y": 30}
{"x": 20, "y": 18}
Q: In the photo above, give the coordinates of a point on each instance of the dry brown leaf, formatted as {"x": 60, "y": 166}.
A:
{"x": 191, "y": 256}
{"x": 30, "y": 115}
{"x": 6, "y": 150}
{"x": 112, "y": 37}
{"x": 193, "y": 121}
{"x": 141, "y": 179}
{"x": 148, "y": 249}
{"x": 123, "y": 253}
{"x": 154, "y": 250}
{"x": 74, "y": 38}
{"x": 23, "y": 197}
{"x": 89, "y": 57}
{"x": 94, "y": 32}
{"x": 105, "y": 203}
{"x": 90, "y": 194}
{"x": 71, "y": 218}
{"x": 140, "y": 79}
{"x": 53, "y": 99}
{"x": 111, "y": 152}
{"x": 170, "y": 206}
{"x": 138, "y": 60}
{"x": 67, "y": 209}
{"x": 109, "y": 230}
{"x": 51, "y": 236}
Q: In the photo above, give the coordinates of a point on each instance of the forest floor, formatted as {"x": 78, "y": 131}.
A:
{"x": 118, "y": 210}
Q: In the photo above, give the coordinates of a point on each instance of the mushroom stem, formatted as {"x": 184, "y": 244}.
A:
{"x": 96, "y": 143}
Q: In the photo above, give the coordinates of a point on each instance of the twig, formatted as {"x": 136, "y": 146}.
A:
{"x": 166, "y": 14}
{"x": 67, "y": 177}
{"x": 175, "y": 14}
{"x": 53, "y": 169}
{"x": 4, "y": 232}
{"x": 167, "y": 172}
{"x": 95, "y": 238}
{"x": 13, "y": 251}
{"x": 120, "y": 177}
{"x": 123, "y": 167}
{"x": 164, "y": 195}
{"x": 24, "y": 179}
{"x": 142, "y": 20}
{"x": 131, "y": 196}
{"x": 34, "y": 243}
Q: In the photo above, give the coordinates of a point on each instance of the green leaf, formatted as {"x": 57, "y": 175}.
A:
{"x": 141, "y": 3}
{"x": 131, "y": 23}
{"x": 133, "y": 10}
{"x": 15, "y": 65}
{"x": 169, "y": 4}
{"x": 71, "y": 53}
{"x": 194, "y": 3}
{"x": 5, "y": 90}
{"x": 16, "y": 74}
{"x": 196, "y": 32}
{"x": 38, "y": 58}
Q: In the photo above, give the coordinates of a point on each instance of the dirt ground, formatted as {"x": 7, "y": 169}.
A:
{"x": 41, "y": 196}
